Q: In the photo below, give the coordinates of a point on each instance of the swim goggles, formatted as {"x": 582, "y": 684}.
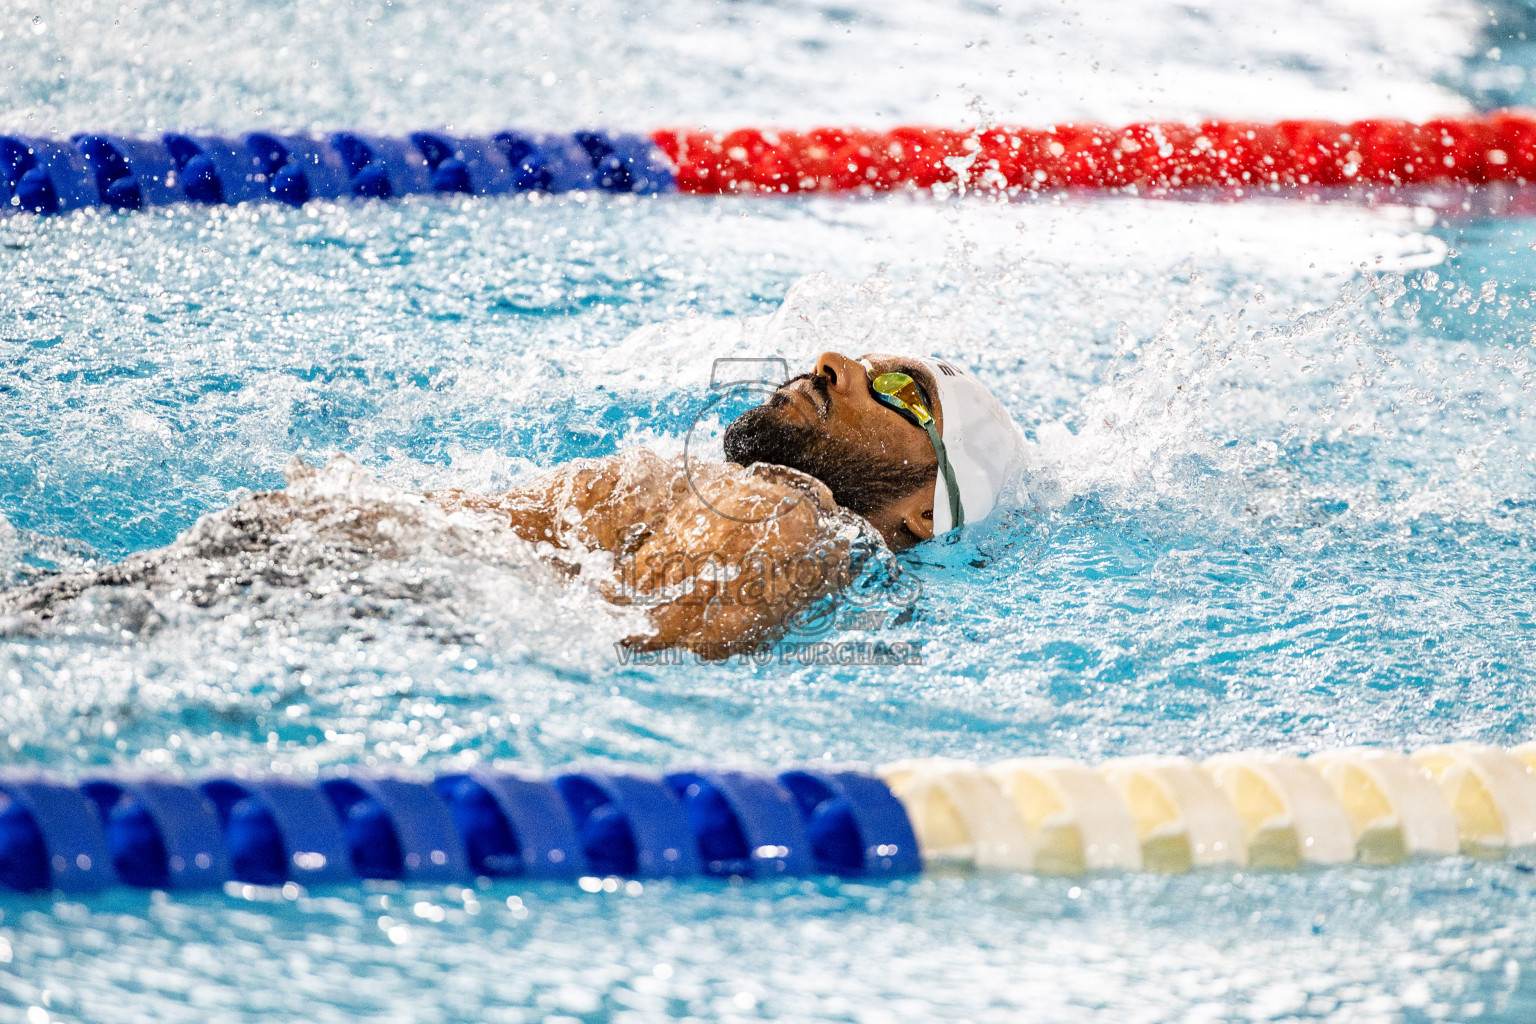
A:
{"x": 900, "y": 392}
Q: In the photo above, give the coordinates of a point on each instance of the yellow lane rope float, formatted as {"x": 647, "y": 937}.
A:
{"x": 1258, "y": 810}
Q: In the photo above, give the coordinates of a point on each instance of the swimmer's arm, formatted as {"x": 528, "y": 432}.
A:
{"x": 545, "y": 509}
{"x": 722, "y": 577}
{"x": 718, "y": 620}
{"x": 748, "y": 578}
{"x": 530, "y": 511}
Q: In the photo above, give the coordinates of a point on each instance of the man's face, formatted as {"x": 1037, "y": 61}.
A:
{"x": 828, "y": 423}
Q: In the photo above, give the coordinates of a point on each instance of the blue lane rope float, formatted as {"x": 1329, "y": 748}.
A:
{"x": 1046, "y": 815}
{"x": 630, "y": 824}
{"x": 51, "y": 837}
{"x": 590, "y": 820}
{"x": 160, "y": 834}
{"x": 746, "y": 825}
{"x": 854, "y": 823}
{"x": 382, "y": 168}
{"x": 44, "y": 176}
{"x": 277, "y": 830}
{"x": 513, "y": 824}
{"x": 398, "y": 828}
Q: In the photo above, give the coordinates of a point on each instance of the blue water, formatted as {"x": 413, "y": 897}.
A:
{"x": 1283, "y": 499}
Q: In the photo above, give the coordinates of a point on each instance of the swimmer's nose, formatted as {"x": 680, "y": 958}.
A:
{"x": 841, "y": 372}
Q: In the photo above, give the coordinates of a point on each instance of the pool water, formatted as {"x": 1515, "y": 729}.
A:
{"x": 1282, "y": 498}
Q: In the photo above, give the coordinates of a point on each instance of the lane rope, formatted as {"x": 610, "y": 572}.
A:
{"x": 49, "y": 176}
{"x": 1046, "y": 815}
{"x": 1143, "y": 157}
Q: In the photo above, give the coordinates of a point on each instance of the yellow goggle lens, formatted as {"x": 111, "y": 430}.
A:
{"x": 900, "y": 391}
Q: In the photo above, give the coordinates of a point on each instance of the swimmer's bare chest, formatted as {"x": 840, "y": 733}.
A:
{"x": 719, "y": 555}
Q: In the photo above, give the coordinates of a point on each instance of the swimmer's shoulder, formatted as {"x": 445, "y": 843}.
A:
{"x": 758, "y": 494}
{"x": 787, "y": 479}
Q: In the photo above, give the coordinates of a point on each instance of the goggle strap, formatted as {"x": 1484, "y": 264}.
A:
{"x": 956, "y": 512}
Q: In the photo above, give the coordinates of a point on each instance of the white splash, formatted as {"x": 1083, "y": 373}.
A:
{"x": 338, "y": 544}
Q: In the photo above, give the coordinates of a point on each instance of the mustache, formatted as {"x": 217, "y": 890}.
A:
{"x": 821, "y": 388}
{"x": 763, "y": 435}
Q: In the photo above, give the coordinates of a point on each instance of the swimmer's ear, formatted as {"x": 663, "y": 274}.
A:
{"x": 906, "y": 521}
{"x": 920, "y": 525}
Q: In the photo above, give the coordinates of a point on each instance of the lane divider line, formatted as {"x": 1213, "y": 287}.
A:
{"x": 49, "y": 176}
{"x": 1047, "y": 815}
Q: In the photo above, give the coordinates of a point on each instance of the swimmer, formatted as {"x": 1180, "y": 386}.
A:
{"x": 720, "y": 555}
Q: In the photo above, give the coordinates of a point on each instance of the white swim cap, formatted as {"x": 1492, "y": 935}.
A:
{"x": 985, "y": 449}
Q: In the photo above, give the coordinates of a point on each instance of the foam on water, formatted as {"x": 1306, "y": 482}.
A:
{"x": 334, "y": 535}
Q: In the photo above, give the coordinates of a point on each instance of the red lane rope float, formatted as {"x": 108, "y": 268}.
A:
{"x": 1142, "y": 157}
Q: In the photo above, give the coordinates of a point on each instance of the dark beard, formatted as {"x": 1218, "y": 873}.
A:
{"x": 858, "y": 483}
